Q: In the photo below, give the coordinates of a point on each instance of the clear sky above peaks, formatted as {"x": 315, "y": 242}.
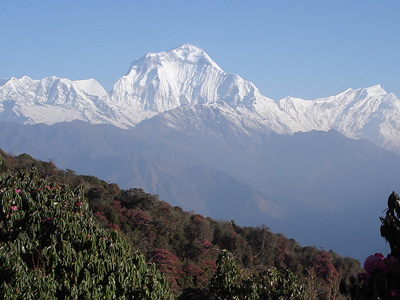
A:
{"x": 305, "y": 49}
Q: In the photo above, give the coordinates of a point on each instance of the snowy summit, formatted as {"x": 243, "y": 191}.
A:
{"x": 187, "y": 76}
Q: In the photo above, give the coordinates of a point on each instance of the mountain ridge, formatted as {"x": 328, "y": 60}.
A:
{"x": 299, "y": 184}
{"x": 186, "y": 75}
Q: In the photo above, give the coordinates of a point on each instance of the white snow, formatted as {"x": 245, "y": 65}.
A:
{"x": 186, "y": 75}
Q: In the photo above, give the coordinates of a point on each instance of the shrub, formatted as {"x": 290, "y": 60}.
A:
{"x": 51, "y": 248}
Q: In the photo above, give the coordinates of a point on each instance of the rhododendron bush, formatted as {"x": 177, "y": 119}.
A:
{"x": 381, "y": 279}
{"x": 51, "y": 248}
{"x": 184, "y": 246}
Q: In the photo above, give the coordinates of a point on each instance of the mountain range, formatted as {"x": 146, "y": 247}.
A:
{"x": 177, "y": 125}
{"x": 186, "y": 75}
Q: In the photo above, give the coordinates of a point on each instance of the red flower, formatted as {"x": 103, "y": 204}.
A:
{"x": 206, "y": 243}
{"x": 45, "y": 220}
{"x": 13, "y": 207}
{"x": 78, "y": 203}
{"x": 18, "y": 191}
{"x": 375, "y": 262}
{"x": 395, "y": 293}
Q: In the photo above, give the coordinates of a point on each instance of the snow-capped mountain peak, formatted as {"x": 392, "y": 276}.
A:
{"x": 191, "y": 54}
{"x": 186, "y": 75}
{"x": 51, "y": 100}
{"x": 185, "y": 53}
{"x": 51, "y": 89}
{"x": 374, "y": 91}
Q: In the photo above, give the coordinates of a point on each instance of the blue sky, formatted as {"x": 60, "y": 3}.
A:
{"x": 304, "y": 49}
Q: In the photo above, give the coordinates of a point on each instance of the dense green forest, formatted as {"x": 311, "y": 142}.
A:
{"x": 198, "y": 257}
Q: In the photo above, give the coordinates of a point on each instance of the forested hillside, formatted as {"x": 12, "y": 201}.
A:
{"x": 194, "y": 252}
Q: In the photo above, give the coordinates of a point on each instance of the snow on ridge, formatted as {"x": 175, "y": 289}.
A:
{"x": 3, "y": 81}
{"x": 14, "y": 87}
{"x": 349, "y": 111}
{"x": 193, "y": 54}
{"x": 186, "y": 75}
{"x": 90, "y": 86}
{"x": 185, "y": 53}
{"x": 375, "y": 90}
{"x": 51, "y": 100}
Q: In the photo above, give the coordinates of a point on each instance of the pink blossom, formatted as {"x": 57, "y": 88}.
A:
{"x": 206, "y": 243}
{"x": 395, "y": 293}
{"x": 47, "y": 219}
{"x": 18, "y": 191}
{"x": 375, "y": 262}
{"x": 13, "y": 207}
{"x": 78, "y": 203}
